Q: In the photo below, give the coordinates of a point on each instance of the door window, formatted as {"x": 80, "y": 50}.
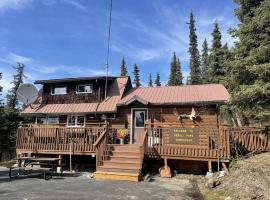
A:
{"x": 139, "y": 118}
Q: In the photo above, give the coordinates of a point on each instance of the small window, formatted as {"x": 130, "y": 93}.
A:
{"x": 80, "y": 120}
{"x": 71, "y": 121}
{"x": 59, "y": 90}
{"x": 139, "y": 118}
{"x": 85, "y": 88}
{"x": 53, "y": 120}
{"x": 41, "y": 120}
{"x": 48, "y": 120}
{"x": 76, "y": 121}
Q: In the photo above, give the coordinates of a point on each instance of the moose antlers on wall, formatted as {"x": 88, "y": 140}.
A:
{"x": 192, "y": 116}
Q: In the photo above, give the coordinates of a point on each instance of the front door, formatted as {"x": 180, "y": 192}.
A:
{"x": 139, "y": 117}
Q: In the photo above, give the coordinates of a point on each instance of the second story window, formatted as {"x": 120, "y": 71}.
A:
{"x": 59, "y": 90}
{"x": 84, "y": 88}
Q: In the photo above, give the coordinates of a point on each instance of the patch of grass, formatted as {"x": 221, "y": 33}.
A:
{"x": 213, "y": 194}
{"x": 233, "y": 164}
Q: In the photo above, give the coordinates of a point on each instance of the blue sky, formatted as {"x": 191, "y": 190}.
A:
{"x": 67, "y": 38}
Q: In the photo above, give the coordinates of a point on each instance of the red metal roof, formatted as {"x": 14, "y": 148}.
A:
{"x": 115, "y": 92}
{"x": 60, "y": 108}
{"x": 186, "y": 94}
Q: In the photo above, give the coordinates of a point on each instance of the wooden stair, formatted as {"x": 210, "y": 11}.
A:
{"x": 124, "y": 164}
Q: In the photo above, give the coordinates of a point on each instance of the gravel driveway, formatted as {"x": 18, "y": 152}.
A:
{"x": 79, "y": 186}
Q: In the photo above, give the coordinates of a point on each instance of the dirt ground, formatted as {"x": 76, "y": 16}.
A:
{"x": 80, "y": 186}
{"x": 249, "y": 179}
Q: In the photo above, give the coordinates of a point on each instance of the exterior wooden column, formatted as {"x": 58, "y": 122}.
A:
{"x": 209, "y": 166}
{"x": 59, "y": 168}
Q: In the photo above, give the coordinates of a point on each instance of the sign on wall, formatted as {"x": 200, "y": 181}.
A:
{"x": 185, "y": 136}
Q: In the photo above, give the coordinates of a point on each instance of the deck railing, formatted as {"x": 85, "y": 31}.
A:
{"x": 57, "y": 139}
{"x": 212, "y": 144}
{"x": 250, "y": 138}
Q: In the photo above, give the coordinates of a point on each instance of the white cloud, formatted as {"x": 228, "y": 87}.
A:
{"x": 12, "y": 58}
{"x": 20, "y": 4}
{"x": 75, "y": 4}
{"x": 14, "y": 4}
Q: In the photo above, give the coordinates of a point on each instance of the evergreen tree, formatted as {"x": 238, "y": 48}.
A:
{"x": 1, "y": 88}
{"x": 17, "y": 80}
{"x": 124, "y": 71}
{"x": 172, "y": 78}
{"x": 205, "y": 62}
{"x": 178, "y": 74}
{"x": 194, "y": 61}
{"x": 157, "y": 81}
{"x": 136, "y": 73}
{"x": 250, "y": 71}
{"x": 150, "y": 82}
{"x": 216, "y": 64}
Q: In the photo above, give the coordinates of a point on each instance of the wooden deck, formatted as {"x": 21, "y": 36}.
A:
{"x": 213, "y": 144}
{"x": 57, "y": 140}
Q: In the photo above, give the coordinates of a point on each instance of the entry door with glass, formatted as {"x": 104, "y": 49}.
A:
{"x": 139, "y": 116}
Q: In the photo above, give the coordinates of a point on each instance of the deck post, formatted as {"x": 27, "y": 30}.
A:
{"x": 209, "y": 166}
{"x": 59, "y": 167}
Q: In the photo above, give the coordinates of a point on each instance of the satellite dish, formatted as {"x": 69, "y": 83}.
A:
{"x": 27, "y": 93}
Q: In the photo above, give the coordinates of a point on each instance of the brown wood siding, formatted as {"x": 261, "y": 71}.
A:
{"x": 71, "y": 96}
{"x": 207, "y": 116}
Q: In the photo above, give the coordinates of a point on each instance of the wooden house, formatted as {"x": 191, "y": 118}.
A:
{"x": 122, "y": 125}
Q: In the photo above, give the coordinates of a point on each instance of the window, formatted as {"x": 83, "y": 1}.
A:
{"x": 48, "y": 120}
{"x": 85, "y": 88}
{"x": 76, "y": 120}
{"x": 139, "y": 118}
{"x": 59, "y": 90}
{"x": 53, "y": 120}
{"x": 42, "y": 120}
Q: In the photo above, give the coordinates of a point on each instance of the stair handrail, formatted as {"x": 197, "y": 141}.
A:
{"x": 143, "y": 145}
{"x": 100, "y": 146}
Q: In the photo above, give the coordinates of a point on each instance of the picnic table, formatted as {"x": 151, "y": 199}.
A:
{"x": 46, "y": 165}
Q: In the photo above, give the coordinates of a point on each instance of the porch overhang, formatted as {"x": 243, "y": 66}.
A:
{"x": 133, "y": 99}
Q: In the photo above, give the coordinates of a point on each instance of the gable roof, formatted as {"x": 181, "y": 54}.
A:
{"x": 67, "y": 80}
{"x": 115, "y": 93}
{"x": 185, "y": 94}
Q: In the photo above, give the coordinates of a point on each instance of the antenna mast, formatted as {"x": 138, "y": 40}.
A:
{"x": 108, "y": 50}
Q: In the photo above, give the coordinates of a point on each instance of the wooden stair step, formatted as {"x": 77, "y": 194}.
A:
{"x": 117, "y": 176}
{"x": 125, "y": 159}
{"x": 120, "y": 170}
{"x": 122, "y": 164}
{"x": 122, "y": 153}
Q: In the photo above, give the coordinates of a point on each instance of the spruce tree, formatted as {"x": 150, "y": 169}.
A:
{"x": 17, "y": 80}
{"x": 173, "y": 69}
{"x": 150, "y": 82}
{"x": 1, "y": 88}
{"x": 194, "y": 61}
{"x": 205, "y": 62}
{"x": 157, "y": 81}
{"x": 136, "y": 73}
{"x": 250, "y": 71}
{"x": 178, "y": 74}
{"x": 216, "y": 64}
{"x": 124, "y": 71}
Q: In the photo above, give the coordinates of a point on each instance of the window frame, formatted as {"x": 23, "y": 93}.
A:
{"x": 58, "y": 86}
{"x": 76, "y": 120}
{"x": 46, "y": 119}
{"x": 86, "y": 84}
